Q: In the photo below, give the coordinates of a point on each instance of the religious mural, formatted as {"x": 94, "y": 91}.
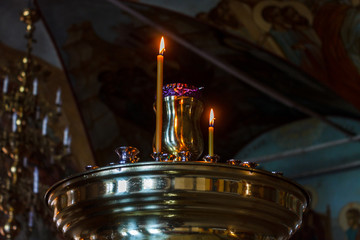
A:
{"x": 300, "y": 31}
{"x": 111, "y": 66}
{"x": 320, "y": 37}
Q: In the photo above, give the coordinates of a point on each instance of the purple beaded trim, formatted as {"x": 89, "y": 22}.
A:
{"x": 181, "y": 89}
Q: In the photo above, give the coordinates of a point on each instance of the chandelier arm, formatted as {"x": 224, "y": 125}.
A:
{"x": 67, "y": 75}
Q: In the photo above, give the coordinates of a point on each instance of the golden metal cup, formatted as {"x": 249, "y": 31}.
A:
{"x": 181, "y": 122}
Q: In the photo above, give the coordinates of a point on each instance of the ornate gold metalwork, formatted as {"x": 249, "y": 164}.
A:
{"x": 25, "y": 145}
{"x": 127, "y": 154}
{"x": 211, "y": 159}
{"x": 181, "y": 128}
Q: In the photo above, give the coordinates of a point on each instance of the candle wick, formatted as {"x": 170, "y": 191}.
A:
{"x": 162, "y": 52}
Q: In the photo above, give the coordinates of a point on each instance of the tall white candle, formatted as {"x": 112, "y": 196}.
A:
{"x": 58, "y": 97}
{"x": 44, "y": 125}
{"x": 35, "y": 86}
{"x": 14, "y": 119}
{"x": 66, "y": 136}
{"x": 36, "y": 180}
{"x": 5, "y": 84}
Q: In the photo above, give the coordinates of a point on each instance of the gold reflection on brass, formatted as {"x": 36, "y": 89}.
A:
{"x": 179, "y": 200}
{"x": 182, "y": 183}
{"x": 248, "y": 190}
{"x": 181, "y": 126}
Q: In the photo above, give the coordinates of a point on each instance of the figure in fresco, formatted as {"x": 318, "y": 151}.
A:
{"x": 290, "y": 27}
{"x": 353, "y": 221}
{"x": 237, "y": 18}
{"x": 281, "y": 31}
{"x": 327, "y": 50}
{"x": 349, "y": 221}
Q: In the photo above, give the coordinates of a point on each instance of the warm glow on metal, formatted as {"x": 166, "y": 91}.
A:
{"x": 247, "y": 189}
{"x": 162, "y": 46}
{"x": 4, "y": 150}
{"x": 212, "y": 118}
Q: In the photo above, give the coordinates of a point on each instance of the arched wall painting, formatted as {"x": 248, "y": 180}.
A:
{"x": 299, "y": 31}
{"x": 110, "y": 59}
{"x": 330, "y": 174}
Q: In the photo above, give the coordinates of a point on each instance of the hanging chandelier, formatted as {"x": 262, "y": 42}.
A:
{"x": 31, "y": 153}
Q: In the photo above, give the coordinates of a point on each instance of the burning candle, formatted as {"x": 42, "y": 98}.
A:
{"x": 5, "y": 84}
{"x": 35, "y": 87}
{"x": 159, "y": 100}
{"x": 14, "y": 120}
{"x": 58, "y": 97}
{"x": 44, "y": 125}
{"x": 211, "y": 133}
{"x": 36, "y": 180}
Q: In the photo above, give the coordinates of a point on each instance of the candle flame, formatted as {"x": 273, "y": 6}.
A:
{"x": 162, "y": 46}
{"x": 212, "y": 118}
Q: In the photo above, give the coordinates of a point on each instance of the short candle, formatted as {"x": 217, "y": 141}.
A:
{"x": 211, "y": 133}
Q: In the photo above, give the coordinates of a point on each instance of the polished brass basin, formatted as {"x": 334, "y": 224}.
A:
{"x": 177, "y": 200}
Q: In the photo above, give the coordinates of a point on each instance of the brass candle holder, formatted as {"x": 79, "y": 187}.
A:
{"x": 181, "y": 134}
{"x": 177, "y": 200}
{"x": 175, "y": 196}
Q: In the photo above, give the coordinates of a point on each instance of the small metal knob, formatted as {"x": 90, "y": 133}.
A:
{"x": 183, "y": 156}
{"x": 127, "y": 154}
{"x": 163, "y": 157}
{"x": 236, "y": 162}
{"x": 249, "y": 164}
{"x": 278, "y": 173}
{"x": 91, "y": 167}
{"x": 211, "y": 159}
